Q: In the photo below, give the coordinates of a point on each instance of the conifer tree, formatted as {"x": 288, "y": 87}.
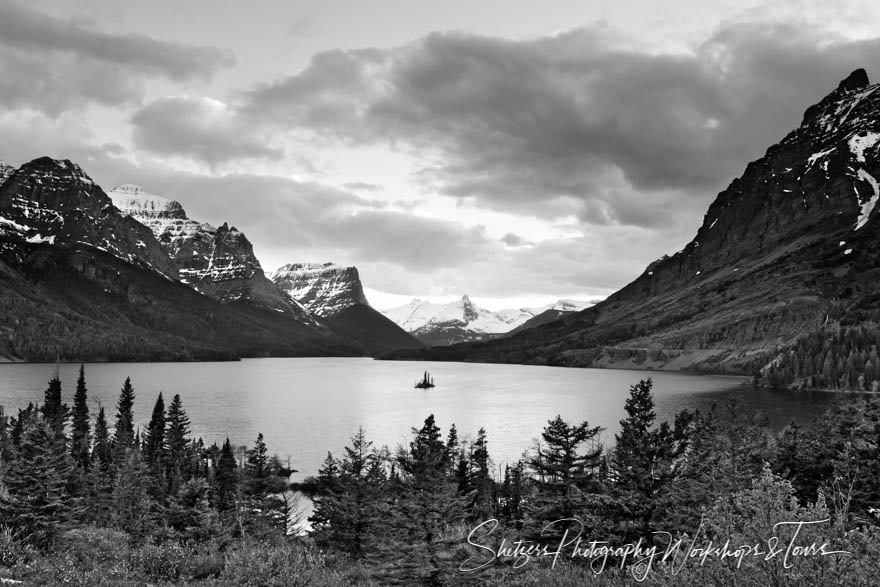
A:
{"x": 132, "y": 505}
{"x": 102, "y": 452}
{"x": 426, "y": 505}
{"x": 154, "y": 441}
{"x": 226, "y": 478}
{"x": 124, "y": 434}
{"x": 484, "y": 486}
{"x": 54, "y": 412}
{"x": 80, "y": 441}
{"x": 35, "y": 500}
{"x": 564, "y": 475}
{"x": 642, "y": 459}
{"x": 177, "y": 442}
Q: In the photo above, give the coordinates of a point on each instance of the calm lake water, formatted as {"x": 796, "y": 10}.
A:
{"x": 306, "y": 407}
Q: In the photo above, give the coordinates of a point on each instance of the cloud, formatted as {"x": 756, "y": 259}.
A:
{"x": 199, "y": 128}
{"x": 52, "y": 65}
{"x": 572, "y": 124}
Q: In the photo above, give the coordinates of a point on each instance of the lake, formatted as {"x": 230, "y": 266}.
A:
{"x": 306, "y": 407}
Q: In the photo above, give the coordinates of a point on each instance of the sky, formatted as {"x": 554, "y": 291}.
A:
{"x": 519, "y": 152}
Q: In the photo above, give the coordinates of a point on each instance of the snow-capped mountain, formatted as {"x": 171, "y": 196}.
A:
{"x": 462, "y": 320}
{"x": 336, "y": 293}
{"x": 324, "y": 288}
{"x": 50, "y": 201}
{"x": 218, "y": 262}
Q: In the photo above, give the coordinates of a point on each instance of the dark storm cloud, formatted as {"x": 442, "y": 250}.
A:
{"x": 52, "y": 64}
{"x": 199, "y": 128}
{"x": 572, "y": 124}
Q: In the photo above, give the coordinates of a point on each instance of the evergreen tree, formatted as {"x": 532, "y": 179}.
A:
{"x": 154, "y": 441}
{"x": 177, "y": 441}
{"x": 563, "y": 476}
{"x": 484, "y": 486}
{"x": 102, "y": 452}
{"x": 35, "y": 500}
{"x": 511, "y": 495}
{"x": 54, "y": 412}
{"x": 256, "y": 468}
{"x": 226, "y": 478}
{"x": 80, "y": 441}
{"x": 133, "y": 506}
{"x": 427, "y": 503}
{"x": 124, "y": 434}
{"x": 643, "y": 458}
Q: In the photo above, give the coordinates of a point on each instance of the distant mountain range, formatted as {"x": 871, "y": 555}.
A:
{"x": 464, "y": 321}
{"x": 781, "y": 281}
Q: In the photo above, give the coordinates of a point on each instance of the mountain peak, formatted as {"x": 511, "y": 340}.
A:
{"x": 324, "y": 288}
{"x": 857, "y": 80}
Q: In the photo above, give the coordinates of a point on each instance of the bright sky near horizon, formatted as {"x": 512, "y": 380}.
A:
{"x": 517, "y": 151}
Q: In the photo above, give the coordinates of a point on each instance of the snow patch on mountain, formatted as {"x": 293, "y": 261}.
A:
{"x": 868, "y": 206}
{"x": 859, "y": 143}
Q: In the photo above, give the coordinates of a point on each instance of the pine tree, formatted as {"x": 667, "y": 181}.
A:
{"x": 256, "y": 468}
{"x": 154, "y": 441}
{"x": 563, "y": 476}
{"x": 124, "y": 435}
{"x": 177, "y": 441}
{"x": 226, "y": 478}
{"x": 35, "y": 501}
{"x": 484, "y": 486}
{"x": 642, "y": 459}
{"x": 427, "y": 503}
{"x": 80, "y": 440}
{"x": 54, "y": 412}
{"x": 102, "y": 452}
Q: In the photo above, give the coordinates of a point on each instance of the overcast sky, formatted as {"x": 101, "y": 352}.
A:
{"x": 517, "y": 151}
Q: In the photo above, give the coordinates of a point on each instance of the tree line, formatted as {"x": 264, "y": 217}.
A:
{"x": 80, "y": 504}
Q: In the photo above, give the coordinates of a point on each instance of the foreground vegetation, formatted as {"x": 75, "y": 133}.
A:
{"x": 82, "y": 506}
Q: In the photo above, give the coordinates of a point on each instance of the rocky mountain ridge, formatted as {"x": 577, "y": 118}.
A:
{"x": 218, "y": 262}
{"x": 55, "y": 202}
{"x": 790, "y": 248}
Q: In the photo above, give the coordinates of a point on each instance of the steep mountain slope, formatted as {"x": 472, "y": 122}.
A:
{"x": 462, "y": 320}
{"x": 218, "y": 262}
{"x": 789, "y": 248}
{"x": 81, "y": 281}
{"x": 336, "y": 293}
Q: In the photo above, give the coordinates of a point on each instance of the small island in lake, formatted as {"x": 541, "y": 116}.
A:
{"x": 426, "y": 382}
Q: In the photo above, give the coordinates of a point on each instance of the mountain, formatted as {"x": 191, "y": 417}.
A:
{"x": 55, "y": 202}
{"x": 462, "y": 320}
{"x": 218, "y": 262}
{"x": 336, "y": 293}
{"x": 79, "y": 280}
{"x": 787, "y": 255}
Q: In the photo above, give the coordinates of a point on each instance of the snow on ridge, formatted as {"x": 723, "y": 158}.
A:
{"x": 858, "y": 144}
{"x": 867, "y": 207}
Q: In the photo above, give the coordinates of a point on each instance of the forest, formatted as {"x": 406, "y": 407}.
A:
{"x": 712, "y": 498}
